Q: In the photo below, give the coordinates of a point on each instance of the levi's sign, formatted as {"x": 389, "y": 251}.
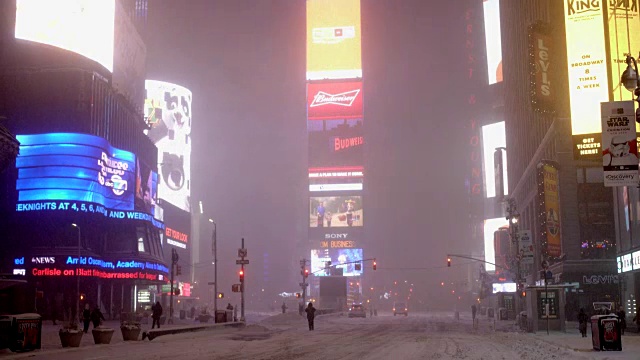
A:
{"x": 334, "y": 100}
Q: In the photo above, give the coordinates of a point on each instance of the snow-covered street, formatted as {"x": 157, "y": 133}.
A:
{"x": 418, "y": 336}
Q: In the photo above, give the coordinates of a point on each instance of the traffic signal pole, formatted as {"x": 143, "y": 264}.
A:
{"x": 174, "y": 261}
{"x": 242, "y": 282}
{"x": 304, "y": 272}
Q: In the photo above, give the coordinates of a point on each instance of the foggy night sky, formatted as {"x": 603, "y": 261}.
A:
{"x": 244, "y": 60}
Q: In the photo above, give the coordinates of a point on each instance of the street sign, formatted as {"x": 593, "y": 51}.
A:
{"x": 235, "y": 288}
{"x": 242, "y": 253}
{"x": 526, "y": 247}
{"x": 242, "y": 262}
{"x": 211, "y": 283}
{"x": 303, "y": 284}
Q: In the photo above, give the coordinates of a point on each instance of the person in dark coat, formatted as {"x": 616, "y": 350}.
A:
{"x": 156, "y": 314}
{"x": 622, "y": 315}
{"x": 474, "y": 310}
{"x": 311, "y": 314}
{"x": 284, "y": 307}
{"x": 96, "y": 317}
{"x": 582, "y": 322}
{"x": 86, "y": 317}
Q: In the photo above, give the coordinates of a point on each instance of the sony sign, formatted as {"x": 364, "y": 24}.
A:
{"x": 336, "y": 236}
{"x": 43, "y": 260}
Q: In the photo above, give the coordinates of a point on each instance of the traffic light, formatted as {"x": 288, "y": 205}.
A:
{"x": 241, "y": 273}
{"x": 82, "y": 296}
{"x": 305, "y": 273}
{"x": 178, "y": 270}
{"x": 375, "y": 265}
{"x": 220, "y": 295}
{"x": 358, "y": 266}
{"x": 448, "y": 262}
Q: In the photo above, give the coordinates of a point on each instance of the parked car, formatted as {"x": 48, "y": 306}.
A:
{"x": 400, "y": 308}
{"x": 357, "y": 310}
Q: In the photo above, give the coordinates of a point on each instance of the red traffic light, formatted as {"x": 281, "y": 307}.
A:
{"x": 306, "y": 272}
{"x": 241, "y": 273}
{"x": 448, "y": 262}
{"x": 375, "y": 264}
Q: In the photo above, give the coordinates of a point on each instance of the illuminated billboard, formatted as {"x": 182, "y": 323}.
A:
{"x": 343, "y": 260}
{"x": 336, "y": 178}
{"x": 85, "y": 27}
{"x": 82, "y": 173}
{"x": 177, "y": 231}
{"x": 336, "y": 211}
{"x": 493, "y": 39}
{"x": 587, "y": 64}
{"x": 333, "y": 39}
{"x": 490, "y": 227}
{"x": 623, "y": 20}
{"x": 168, "y": 114}
{"x": 335, "y": 142}
{"x": 549, "y": 211}
{"x": 341, "y": 100}
{"x": 494, "y": 136}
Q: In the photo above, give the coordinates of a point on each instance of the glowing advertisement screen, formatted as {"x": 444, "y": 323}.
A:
{"x": 493, "y": 136}
{"x": 587, "y": 64}
{"x": 341, "y": 100}
{"x": 339, "y": 259}
{"x": 85, "y": 27}
{"x": 335, "y": 142}
{"x": 168, "y": 114}
{"x": 493, "y": 39}
{"x": 336, "y": 211}
{"x": 81, "y": 173}
{"x": 623, "y": 20}
{"x": 333, "y": 39}
{"x": 490, "y": 227}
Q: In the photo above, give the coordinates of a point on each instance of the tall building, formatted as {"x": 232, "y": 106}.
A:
{"x": 336, "y": 139}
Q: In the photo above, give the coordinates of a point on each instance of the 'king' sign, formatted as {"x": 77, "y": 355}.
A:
{"x": 334, "y": 100}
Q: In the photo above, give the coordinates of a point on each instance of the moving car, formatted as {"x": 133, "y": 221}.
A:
{"x": 400, "y": 308}
{"x": 357, "y": 310}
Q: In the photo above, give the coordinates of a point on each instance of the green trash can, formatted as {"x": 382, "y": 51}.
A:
{"x": 26, "y": 332}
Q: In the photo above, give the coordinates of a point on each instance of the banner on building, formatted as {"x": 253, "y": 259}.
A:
{"x": 620, "y": 148}
{"x": 541, "y": 63}
{"x": 526, "y": 247}
{"x": 549, "y": 209}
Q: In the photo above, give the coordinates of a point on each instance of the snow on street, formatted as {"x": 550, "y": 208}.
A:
{"x": 418, "y": 336}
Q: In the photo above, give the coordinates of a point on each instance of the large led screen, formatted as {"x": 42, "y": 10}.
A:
{"x": 334, "y": 100}
{"x": 336, "y": 211}
{"x": 335, "y": 142}
{"x": 490, "y": 227}
{"x": 336, "y": 178}
{"x": 333, "y": 39}
{"x": 587, "y": 65}
{"x": 623, "y": 20}
{"x": 493, "y": 39}
{"x": 82, "y": 173}
{"x": 168, "y": 114}
{"x": 343, "y": 259}
{"x": 85, "y": 27}
{"x": 493, "y": 136}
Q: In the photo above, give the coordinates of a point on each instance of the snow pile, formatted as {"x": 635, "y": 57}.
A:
{"x": 289, "y": 318}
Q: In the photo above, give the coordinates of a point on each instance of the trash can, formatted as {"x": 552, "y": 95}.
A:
{"x": 183, "y": 314}
{"x": 221, "y": 316}
{"x": 26, "y": 332}
{"x": 490, "y": 312}
{"x": 605, "y": 333}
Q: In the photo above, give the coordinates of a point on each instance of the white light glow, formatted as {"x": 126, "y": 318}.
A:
{"x": 85, "y": 27}
{"x": 493, "y": 39}
{"x": 491, "y": 226}
{"x": 493, "y": 136}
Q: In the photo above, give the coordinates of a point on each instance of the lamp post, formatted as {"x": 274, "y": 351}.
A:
{"x": 631, "y": 81}
{"x": 214, "y": 249}
{"x": 78, "y": 275}
{"x": 513, "y": 217}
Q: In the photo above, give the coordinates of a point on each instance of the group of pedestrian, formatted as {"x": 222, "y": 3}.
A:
{"x": 89, "y": 317}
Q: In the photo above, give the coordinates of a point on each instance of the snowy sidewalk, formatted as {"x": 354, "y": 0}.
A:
{"x": 574, "y": 341}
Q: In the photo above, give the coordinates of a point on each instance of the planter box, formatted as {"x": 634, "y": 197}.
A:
{"x": 70, "y": 338}
{"x": 130, "y": 334}
{"x": 102, "y": 335}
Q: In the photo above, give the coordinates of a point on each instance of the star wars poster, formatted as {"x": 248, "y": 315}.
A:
{"x": 620, "y": 148}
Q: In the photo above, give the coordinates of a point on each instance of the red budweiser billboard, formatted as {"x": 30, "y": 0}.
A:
{"x": 341, "y": 100}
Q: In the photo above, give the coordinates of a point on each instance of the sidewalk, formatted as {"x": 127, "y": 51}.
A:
{"x": 51, "y": 340}
{"x": 571, "y": 339}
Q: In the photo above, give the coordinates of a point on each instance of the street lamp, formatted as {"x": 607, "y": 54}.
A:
{"x": 78, "y": 275}
{"x": 631, "y": 81}
{"x": 214, "y": 249}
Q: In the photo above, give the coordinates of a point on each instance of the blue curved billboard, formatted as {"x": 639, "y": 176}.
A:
{"x": 83, "y": 173}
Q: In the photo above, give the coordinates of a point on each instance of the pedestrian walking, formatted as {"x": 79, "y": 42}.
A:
{"x": 311, "y": 314}
{"x": 582, "y": 322}
{"x": 300, "y": 308}
{"x": 474, "y": 311}
{"x": 622, "y": 315}
{"x": 156, "y": 313}
{"x": 97, "y": 317}
{"x": 284, "y": 307}
{"x": 86, "y": 317}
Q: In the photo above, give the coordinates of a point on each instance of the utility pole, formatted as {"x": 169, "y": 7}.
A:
{"x": 242, "y": 254}
{"x": 174, "y": 261}
{"x": 513, "y": 217}
{"x": 214, "y": 249}
{"x": 305, "y": 273}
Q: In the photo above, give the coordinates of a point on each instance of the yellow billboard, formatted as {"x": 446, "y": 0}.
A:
{"x": 333, "y": 39}
{"x": 587, "y": 64}
{"x": 551, "y": 210}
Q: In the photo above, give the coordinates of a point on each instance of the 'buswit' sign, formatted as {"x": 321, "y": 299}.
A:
{"x": 334, "y": 100}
